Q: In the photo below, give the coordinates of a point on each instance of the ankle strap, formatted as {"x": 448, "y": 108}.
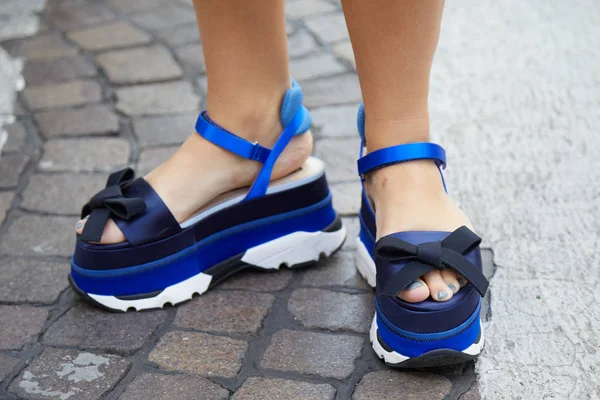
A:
{"x": 229, "y": 141}
{"x": 402, "y": 153}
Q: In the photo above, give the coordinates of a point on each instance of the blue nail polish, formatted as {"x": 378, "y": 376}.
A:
{"x": 461, "y": 281}
{"x": 78, "y": 224}
{"x": 414, "y": 285}
{"x": 442, "y": 295}
{"x": 452, "y": 287}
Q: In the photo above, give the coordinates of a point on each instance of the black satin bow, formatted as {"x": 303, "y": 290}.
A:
{"x": 110, "y": 201}
{"x": 422, "y": 258}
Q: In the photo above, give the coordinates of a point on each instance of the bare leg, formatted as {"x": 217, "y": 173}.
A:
{"x": 245, "y": 50}
{"x": 394, "y": 42}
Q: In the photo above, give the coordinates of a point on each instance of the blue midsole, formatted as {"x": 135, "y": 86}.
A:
{"x": 160, "y": 274}
{"x": 412, "y": 344}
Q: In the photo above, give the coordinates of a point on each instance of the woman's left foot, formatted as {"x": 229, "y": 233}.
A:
{"x": 411, "y": 197}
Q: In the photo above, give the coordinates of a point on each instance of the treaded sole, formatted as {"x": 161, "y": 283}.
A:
{"x": 296, "y": 250}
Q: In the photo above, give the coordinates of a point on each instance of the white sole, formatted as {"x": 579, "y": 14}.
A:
{"x": 364, "y": 263}
{"x": 290, "y": 250}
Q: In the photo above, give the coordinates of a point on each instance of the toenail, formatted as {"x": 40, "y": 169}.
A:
{"x": 414, "y": 285}
{"x": 452, "y": 287}
{"x": 461, "y": 281}
{"x": 442, "y": 295}
{"x": 79, "y": 224}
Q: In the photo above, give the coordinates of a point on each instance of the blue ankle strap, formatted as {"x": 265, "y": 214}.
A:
{"x": 229, "y": 141}
{"x": 296, "y": 120}
{"x": 402, "y": 153}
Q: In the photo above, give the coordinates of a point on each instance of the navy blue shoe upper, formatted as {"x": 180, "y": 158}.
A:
{"x": 402, "y": 257}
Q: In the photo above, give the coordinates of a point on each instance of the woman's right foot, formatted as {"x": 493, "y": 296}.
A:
{"x": 200, "y": 171}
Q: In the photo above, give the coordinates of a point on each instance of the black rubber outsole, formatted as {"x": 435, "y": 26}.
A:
{"x": 219, "y": 273}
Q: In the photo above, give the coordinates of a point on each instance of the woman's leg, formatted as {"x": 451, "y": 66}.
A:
{"x": 245, "y": 50}
{"x": 394, "y": 42}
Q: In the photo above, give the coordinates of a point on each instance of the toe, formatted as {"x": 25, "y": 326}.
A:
{"x": 112, "y": 234}
{"x": 438, "y": 289}
{"x": 449, "y": 276}
{"x": 416, "y": 292}
{"x": 461, "y": 280}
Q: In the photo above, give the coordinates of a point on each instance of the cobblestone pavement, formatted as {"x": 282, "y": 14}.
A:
{"x": 119, "y": 82}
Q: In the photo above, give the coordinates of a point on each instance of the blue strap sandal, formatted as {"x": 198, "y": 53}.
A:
{"x": 290, "y": 221}
{"x": 429, "y": 333}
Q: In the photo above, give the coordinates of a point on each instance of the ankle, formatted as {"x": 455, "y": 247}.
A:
{"x": 255, "y": 117}
{"x": 382, "y": 133}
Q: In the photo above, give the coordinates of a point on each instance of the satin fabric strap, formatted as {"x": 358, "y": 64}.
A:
{"x": 229, "y": 141}
{"x": 402, "y": 153}
{"x": 261, "y": 183}
{"x": 110, "y": 201}
{"x": 425, "y": 257}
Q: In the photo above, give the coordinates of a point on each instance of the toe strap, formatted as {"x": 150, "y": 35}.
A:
{"x": 425, "y": 257}
{"x": 135, "y": 207}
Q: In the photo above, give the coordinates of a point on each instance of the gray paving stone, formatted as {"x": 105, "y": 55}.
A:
{"x": 301, "y": 43}
{"x": 69, "y": 374}
{"x": 91, "y": 328}
{"x": 41, "y": 47}
{"x": 69, "y": 17}
{"x": 11, "y": 166}
{"x": 472, "y": 394}
{"x": 315, "y": 66}
{"x": 340, "y": 157}
{"x": 231, "y": 312}
{"x": 171, "y": 387}
{"x": 20, "y": 325}
{"x": 152, "y": 158}
{"x": 59, "y": 69}
{"x": 335, "y": 311}
{"x": 305, "y": 8}
{"x": 329, "y": 28}
{"x": 347, "y": 197}
{"x": 386, "y": 385}
{"x": 129, "y": 6}
{"x": 313, "y": 353}
{"x": 336, "y": 121}
{"x": 179, "y": 35}
{"x": 259, "y": 281}
{"x": 110, "y": 36}
{"x": 39, "y": 235}
{"x": 192, "y": 56}
{"x": 352, "y": 225}
{"x": 63, "y": 193}
{"x": 18, "y": 108}
{"x": 17, "y": 136}
{"x": 7, "y": 363}
{"x": 199, "y": 353}
{"x": 5, "y": 200}
{"x": 341, "y": 89}
{"x": 93, "y": 154}
{"x": 89, "y": 120}
{"x": 164, "y": 17}
{"x": 344, "y": 51}
{"x": 337, "y": 270}
{"x": 139, "y": 65}
{"x": 164, "y": 130}
{"x": 73, "y": 93}
{"x": 255, "y": 388}
{"x": 33, "y": 281}
{"x": 157, "y": 98}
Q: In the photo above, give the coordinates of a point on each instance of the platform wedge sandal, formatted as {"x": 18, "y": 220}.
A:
{"x": 290, "y": 221}
{"x": 429, "y": 333}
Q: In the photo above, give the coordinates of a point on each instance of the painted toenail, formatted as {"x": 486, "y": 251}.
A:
{"x": 78, "y": 224}
{"x": 452, "y": 287}
{"x": 414, "y": 285}
{"x": 442, "y": 295}
{"x": 461, "y": 281}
